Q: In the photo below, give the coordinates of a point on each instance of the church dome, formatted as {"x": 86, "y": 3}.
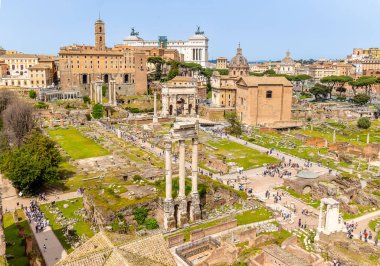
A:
{"x": 239, "y": 60}
{"x": 288, "y": 60}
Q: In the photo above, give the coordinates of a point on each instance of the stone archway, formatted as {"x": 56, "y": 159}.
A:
{"x": 306, "y": 190}
{"x": 106, "y": 78}
{"x": 180, "y": 106}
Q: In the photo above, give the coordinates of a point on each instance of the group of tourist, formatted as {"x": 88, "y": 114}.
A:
{"x": 274, "y": 169}
{"x": 35, "y": 214}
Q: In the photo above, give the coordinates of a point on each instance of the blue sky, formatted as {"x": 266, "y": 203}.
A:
{"x": 265, "y": 28}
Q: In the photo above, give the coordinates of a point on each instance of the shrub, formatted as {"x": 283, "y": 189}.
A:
{"x": 32, "y": 94}
{"x": 364, "y": 123}
{"x": 151, "y": 224}
{"x": 86, "y": 99}
{"x": 140, "y": 214}
{"x": 41, "y": 105}
{"x": 97, "y": 111}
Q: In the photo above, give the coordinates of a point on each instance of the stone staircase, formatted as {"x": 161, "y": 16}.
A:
{"x": 306, "y": 236}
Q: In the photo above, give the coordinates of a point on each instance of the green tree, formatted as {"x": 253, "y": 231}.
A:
{"x": 319, "y": 91}
{"x": 97, "y": 111}
{"x": 158, "y": 62}
{"x": 86, "y": 99}
{"x": 174, "y": 71}
{"x": 361, "y": 99}
{"x": 32, "y": 94}
{"x": 335, "y": 81}
{"x": 33, "y": 164}
{"x": 235, "y": 127}
{"x": 223, "y": 71}
{"x": 269, "y": 72}
{"x": 140, "y": 214}
{"x": 364, "y": 123}
{"x": 151, "y": 224}
{"x": 364, "y": 82}
{"x": 302, "y": 79}
{"x": 341, "y": 90}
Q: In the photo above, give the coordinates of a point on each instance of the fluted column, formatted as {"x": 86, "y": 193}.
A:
{"x": 169, "y": 219}
{"x": 194, "y": 167}
{"x": 320, "y": 216}
{"x": 182, "y": 170}
{"x": 168, "y": 169}
{"x": 91, "y": 94}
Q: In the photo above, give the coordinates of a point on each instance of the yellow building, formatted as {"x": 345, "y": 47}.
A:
{"x": 41, "y": 75}
{"x": 221, "y": 63}
{"x": 82, "y": 64}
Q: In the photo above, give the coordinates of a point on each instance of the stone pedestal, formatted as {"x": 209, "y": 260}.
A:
{"x": 195, "y": 208}
{"x": 182, "y": 211}
{"x": 169, "y": 221}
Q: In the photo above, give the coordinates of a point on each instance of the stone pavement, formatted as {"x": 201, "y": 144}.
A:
{"x": 54, "y": 250}
{"x": 13, "y": 203}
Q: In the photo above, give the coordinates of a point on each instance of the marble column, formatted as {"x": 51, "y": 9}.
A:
{"x": 169, "y": 219}
{"x": 168, "y": 170}
{"x": 155, "y": 118}
{"x": 182, "y": 170}
{"x": 112, "y": 92}
{"x": 320, "y": 216}
{"x": 195, "y": 210}
{"x": 194, "y": 166}
{"x": 91, "y": 93}
{"x": 182, "y": 202}
{"x": 368, "y": 138}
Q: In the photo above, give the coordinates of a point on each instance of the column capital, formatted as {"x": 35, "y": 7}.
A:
{"x": 195, "y": 140}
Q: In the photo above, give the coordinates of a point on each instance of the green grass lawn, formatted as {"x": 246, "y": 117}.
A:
{"x": 253, "y": 216}
{"x": 17, "y": 249}
{"x": 241, "y": 155}
{"x": 304, "y": 197}
{"x": 75, "y": 144}
{"x": 372, "y": 225}
{"x": 81, "y": 227}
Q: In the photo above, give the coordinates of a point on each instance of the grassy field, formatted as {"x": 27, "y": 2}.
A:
{"x": 81, "y": 227}
{"x": 76, "y": 145}
{"x": 241, "y": 155}
{"x": 253, "y": 216}
{"x": 12, "y": 236}
{"x": 372, "y": 225}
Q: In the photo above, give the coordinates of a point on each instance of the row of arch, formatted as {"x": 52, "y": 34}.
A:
{"x": 106, "y": 78}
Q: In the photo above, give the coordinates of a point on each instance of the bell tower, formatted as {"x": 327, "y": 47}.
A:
{"x": 100, "y": 36}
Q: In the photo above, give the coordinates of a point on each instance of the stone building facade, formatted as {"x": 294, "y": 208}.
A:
{"x": 263, "y": 100}
{"x": 179, "y": 97}
{"x": 82, "y": 64}
{"x": 194, "y": 50}
{"x": 287, "y": 65}
{"x": 224, "y": 86}
{"x": 221, "y": 63}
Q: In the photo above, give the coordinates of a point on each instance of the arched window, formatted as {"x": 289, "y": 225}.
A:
{"x": 100, "y": 38}
{"x": 100, "y": 29}
{"x": 269, "y": 94}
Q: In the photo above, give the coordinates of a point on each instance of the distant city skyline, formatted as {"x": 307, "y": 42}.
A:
{"x": 266, "y": 29}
